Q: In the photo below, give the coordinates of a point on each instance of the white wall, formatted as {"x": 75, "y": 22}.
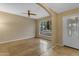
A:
{"x": 13, "y": 27}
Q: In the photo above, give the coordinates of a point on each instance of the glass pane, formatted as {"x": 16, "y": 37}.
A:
{"x": 45, "y": 27}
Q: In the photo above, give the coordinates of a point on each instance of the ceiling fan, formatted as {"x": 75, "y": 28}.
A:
{"x": 29, "y": 13}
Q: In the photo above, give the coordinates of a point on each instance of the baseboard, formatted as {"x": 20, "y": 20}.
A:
{"x": 15, "y": 40}
{"x": 71, "y": 47}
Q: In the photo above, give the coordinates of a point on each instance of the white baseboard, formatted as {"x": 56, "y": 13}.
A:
{"x": 15, "y": 40}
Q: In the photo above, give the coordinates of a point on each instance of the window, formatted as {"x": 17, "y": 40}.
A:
{"x": 45, "y": 27}
{"x": 72, "y": 26}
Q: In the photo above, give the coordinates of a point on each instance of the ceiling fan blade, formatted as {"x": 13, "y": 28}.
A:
{"x": 33, "y": 14}
{"x": 25, "y": 13}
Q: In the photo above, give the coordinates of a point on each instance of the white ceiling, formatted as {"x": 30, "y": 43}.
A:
{"x": 19, "y": 8}
{"x": 61, "y": 7}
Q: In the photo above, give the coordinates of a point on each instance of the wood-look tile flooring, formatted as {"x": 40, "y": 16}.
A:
{"x": 35, "y": 47}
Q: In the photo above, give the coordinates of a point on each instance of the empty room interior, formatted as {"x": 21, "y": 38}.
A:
{"x": 39, "y": 29}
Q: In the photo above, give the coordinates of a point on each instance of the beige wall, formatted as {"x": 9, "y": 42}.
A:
{"x": 37, "y": 28}
{"x": 13, "y": 27}
{"x": 60, "y": 18}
